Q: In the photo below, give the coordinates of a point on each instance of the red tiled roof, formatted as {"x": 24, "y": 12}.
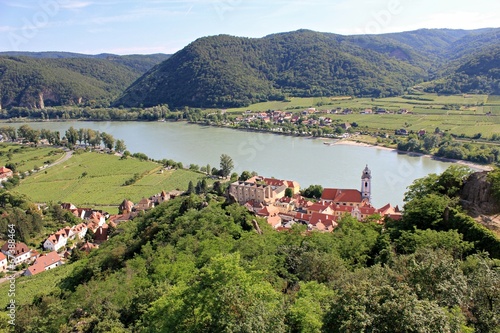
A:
{"x": 2, "y": 256}
{"x": 101, "y": 233}
{"x": 5, "y": 170}
{"x": 274, "y": 220}
{"x": 349, "y": 196}
{"x": 19, "y": 249}
{"x": 341, "y": 195}
{"x": 44, "y": 261}
{"x": 87, "y": 247}
{"x": 329, "y": 194}
{"x": 368, "y": 210}
{"x": 268, "y": 211}
{"x": 323, "y": 218}
{"x": 273, "y": 181}
{"x": 302, "y": 217}
{"x": 317, "y": 207}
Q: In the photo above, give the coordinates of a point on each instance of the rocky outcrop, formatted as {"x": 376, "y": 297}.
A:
{"x": 477, "y": 199}
{"x": 477, "y": 195}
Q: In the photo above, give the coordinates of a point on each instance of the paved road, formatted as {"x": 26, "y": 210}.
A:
{"x": 63, "y": 159}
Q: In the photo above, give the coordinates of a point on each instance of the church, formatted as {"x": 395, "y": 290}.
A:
{"x": 350, "y": 197}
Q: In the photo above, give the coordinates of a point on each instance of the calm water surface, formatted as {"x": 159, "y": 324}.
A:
{"x": 306, "y": 160}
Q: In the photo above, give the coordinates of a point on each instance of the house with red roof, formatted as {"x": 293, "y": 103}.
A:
{"x": 322, "y": 222}
{"x": 274, "y": 221}
{"x": 5, "y": 173}
{"x": 101, "y": 234}
{"x": 87, "y": 247}
{"x": 17, "y": 253}
{"x": 320, "y": 208}
{"x": 44, "y": 263}
{"x": 3, "y": 262}
{"x": 56, "y": 241}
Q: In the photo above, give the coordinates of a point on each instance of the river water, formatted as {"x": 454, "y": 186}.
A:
{"x": 306, "y": 160}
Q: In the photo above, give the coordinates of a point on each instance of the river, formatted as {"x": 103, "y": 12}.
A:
{"x": 305, "y": 160}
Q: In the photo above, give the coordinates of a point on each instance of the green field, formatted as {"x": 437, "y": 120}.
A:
{"x": 27, "y": 158}
{"x": 458, "y": 114}
{"x": 96, "y": 180}
{"x": 28, "y": 287}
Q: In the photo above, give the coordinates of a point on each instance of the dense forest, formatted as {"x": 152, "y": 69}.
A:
{"x": 199, "y": 264}
{"x": 51, "y": 79}
{"x": 226, "y": 71}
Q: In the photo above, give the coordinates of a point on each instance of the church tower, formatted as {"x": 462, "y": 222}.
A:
{"x": 366, "y": 179}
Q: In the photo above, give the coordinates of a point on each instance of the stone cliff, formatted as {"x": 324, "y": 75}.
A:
{"x": 478, "y": 200}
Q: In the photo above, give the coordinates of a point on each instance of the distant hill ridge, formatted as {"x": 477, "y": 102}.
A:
{"x": 227, "y": 71}
{"x": 39, "y": 79}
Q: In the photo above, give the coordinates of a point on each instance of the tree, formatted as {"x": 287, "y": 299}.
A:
{"x": 226, "y": 165}
{"x": 120, "y": 145}
{"x": 288, "y": 192}
{"x": 81, "y": 135}
{"x": 11, "y": 166}
{"x": 108, "y": 140}
{"x": 222, "y": 298}
{"x": 71, "y": 135}
{"x": 313, "y": 191}
{"x": 245, "y": 175}
{"x": 190, "y": 187}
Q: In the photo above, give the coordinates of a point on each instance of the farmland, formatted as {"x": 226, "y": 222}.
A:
{"x": 96, "y": 180}
{"x": 27, "y": 158}
{"x": 32, "y": 286}
{"x": 457, "y": 114}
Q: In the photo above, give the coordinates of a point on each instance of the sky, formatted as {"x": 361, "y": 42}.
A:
{"x": 166, "y": 26}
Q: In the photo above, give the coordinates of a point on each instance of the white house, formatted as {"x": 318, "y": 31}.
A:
{"x": 3, "y": 262}
{"x": 55, "y": 241}
{"x": 79, "y": 230}
{"x": 18, "y": 254}
{"x": 44, "y": 263}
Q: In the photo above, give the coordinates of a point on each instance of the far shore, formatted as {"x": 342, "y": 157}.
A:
{"x": 353, "y": 142}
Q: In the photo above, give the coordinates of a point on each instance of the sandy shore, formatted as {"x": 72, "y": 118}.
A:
{"x": 475, "y": 166}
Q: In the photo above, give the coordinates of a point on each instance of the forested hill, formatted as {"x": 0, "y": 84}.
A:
{"x": 198, "y": 264}
{"x": 226, "y": 71}
{"x": 58, "y": 78}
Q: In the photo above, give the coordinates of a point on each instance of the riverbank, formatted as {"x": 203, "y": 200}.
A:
{"x": 475, "y": 166}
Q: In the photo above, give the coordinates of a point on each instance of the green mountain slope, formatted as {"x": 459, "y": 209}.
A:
{"x": 477, "y": 73}
{"x": 225, "y": 71}
{"x": 231, "y": 71}
{"x": 53, "y": 78}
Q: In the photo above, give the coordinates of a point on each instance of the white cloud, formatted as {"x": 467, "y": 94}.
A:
{"x": 75, "y": 4}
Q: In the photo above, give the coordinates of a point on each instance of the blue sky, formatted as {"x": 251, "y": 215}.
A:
{"x": 166, "y": 26}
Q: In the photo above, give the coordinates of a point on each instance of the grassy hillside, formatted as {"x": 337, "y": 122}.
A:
{"x": 27, "y": 158}
{"x": 85, "y": 180}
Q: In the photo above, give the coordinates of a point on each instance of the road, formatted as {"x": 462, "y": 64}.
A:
{"x": 63, "y": 159}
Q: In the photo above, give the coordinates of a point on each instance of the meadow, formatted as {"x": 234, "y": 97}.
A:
{"x": 28, "y": 287}
{"x": 27, "y": 158}
{"x": 96, "y": 180}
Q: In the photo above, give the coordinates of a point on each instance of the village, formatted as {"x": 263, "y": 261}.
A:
{"x": 306, "y": 122}
{"x": 279, "y": 202}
